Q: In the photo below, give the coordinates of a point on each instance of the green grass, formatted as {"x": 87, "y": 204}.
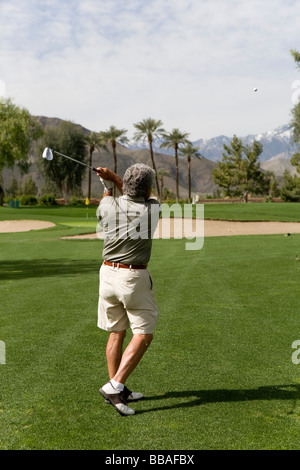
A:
{"x": 218, "y": 375}
{"x": 285, "y": 212}
{"x": 83, "y": 217}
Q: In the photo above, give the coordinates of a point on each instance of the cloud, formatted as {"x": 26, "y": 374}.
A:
{"x": 2, "y": 89}
{"x": 191, "y": 63}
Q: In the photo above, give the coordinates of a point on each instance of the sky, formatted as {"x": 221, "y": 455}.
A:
{"x": 193, "y": 64}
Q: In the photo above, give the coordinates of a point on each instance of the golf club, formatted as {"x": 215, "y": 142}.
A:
{"x": 48, "y": 155}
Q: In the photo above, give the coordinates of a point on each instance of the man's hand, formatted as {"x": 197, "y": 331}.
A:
{"x": 105, "y": 173}
{"x": 108, "y": 175}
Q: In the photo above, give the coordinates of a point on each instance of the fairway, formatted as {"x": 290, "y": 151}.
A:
{"x": 219, "y": 373}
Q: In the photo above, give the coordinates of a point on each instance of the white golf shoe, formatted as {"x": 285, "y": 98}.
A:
{"x": 117, "y": 399}
{"x": 132, "y": 396}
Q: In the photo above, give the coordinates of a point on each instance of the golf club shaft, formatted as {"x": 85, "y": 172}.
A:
{"x": 77, "y": 161}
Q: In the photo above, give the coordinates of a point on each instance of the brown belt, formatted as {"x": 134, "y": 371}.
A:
{"x": 114, "y": 264}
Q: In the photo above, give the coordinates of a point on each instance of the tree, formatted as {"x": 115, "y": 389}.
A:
{"x": 239, "y": 172}
{"x": 252, "y": 177}
{"x": 68, "y": 139}
{"x": 270, "y": 185}
{"x": 30, "y": 188}
{"x": 173, "y": 140}
{"x": 295, "y": 161}
{"x": 13, "y": 188}
{"x": 113, "y": 136}
{"x": 18, "y": 130}
{"x": 296, "y": 56}
{"x": 149, "y": 129}
{"x": 295, "y": 123}
{"x": 291, "y": 184}
{"x": 161, "y": 173}
{"x": 225, "y": 172}
{"x": 189, "y": 151}
{"x": 93, "y": 141}
{"x": 290, "y": 191}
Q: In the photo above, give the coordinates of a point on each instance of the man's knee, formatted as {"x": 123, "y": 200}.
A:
{"x": 117, "y": 335}
{"x": 146, "y": 339}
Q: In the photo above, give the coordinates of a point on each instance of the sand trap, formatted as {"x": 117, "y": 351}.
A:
{"x": 189, "y": 228}
{"x": 214, "y": 228}
{"x": 175, "y": 228}
{"x": 8, "y": 226}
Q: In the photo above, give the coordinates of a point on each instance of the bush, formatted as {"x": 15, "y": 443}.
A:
{"x": 47, "y": 200}
{"x": 290, "y": 195}
{"x": 28, "y": 200}
{"x": 290, "y": 191}
{"x": 76, "y": 201}
{"x": 30, "y": 188}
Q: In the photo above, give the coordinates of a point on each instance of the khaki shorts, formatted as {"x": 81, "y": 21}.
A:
{"x": 126, "y": 299}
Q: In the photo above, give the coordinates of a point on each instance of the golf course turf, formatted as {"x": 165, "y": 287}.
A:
{"x": 219, "y": 373}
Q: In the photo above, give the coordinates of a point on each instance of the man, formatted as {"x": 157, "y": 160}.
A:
{"x": 126, "y": 297}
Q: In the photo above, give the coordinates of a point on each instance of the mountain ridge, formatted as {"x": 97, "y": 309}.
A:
{"x": 275, "y": 142}
{"x": 278, "y": 148}
{"x": 201, "y": 177}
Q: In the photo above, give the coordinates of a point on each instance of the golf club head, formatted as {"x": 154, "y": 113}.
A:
{"x": 47, "y": 154}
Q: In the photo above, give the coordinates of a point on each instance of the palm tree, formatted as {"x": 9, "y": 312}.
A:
{"x": 174, "y": 139}
{"x": 113, "y": 136}
{"x": 161, "y": 173}
{"x": 93, "y": 141}
{"x": 149, "y": 129}
{"x": 189, "y": 151}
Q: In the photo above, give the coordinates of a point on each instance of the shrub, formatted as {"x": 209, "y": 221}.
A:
{"x": 28, "y": 200}
{"x": 290, "y": 195}
{"x": 47, "y": 200}
{"x": 290, "y": 191}
{"x": 30, "y": 188}
{"x": 76, "y": 201}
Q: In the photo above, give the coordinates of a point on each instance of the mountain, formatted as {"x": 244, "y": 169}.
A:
{"x": 279, "y": 164}
{"x": 201, "y": 170}
{"x": 277, "y": 150}
{"x": 201, "y": 177}
{"x": 278, "y": 147}
{"x": 275, "y": 142}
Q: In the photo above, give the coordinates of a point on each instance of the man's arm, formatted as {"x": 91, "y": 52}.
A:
{"x": 110, "y": 177}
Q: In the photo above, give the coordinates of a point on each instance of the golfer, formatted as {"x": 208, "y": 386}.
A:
{"x": 126, "y": 297}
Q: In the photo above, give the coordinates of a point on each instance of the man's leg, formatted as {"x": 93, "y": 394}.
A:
{"x": 132, "y": 356}
{"x": 114, "y": 351}
{"x": 130, "y": 359}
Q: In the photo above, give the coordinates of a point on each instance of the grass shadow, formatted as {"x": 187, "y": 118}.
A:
{"x": 15, "y": 270}
{"x": 202, "y": 397}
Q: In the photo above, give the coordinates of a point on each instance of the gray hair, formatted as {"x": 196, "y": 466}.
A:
{"x": 138, "y": 180}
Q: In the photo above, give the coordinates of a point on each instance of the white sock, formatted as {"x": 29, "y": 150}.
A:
{"x": 118, "y": 386}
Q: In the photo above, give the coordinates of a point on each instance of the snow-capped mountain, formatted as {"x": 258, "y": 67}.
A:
{"x": 276, "y": 142}
{"x": 279, "y": 164}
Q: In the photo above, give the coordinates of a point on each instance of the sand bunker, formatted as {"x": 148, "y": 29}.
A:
{"x": 8, "y": 226}
{"x": 175, "y": 228}
{"x": 189, "y": 228}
